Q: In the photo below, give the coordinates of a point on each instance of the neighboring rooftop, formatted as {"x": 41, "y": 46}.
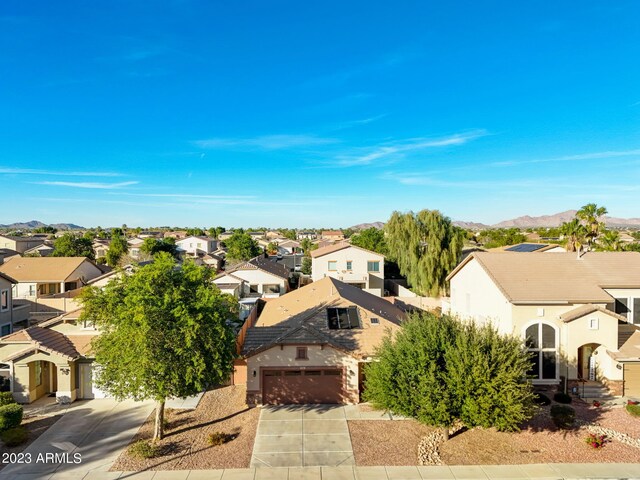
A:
{"x": 559, "y": 277}
{"x": 41, "y": 269}
{"x": 322, "y": 251}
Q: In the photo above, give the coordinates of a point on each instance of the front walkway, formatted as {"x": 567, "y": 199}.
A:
{"x": 92, "y": 433}
{"x": 302, "y": 436}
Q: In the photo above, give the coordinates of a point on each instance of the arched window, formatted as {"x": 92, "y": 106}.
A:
{"x": 541, "y": 341}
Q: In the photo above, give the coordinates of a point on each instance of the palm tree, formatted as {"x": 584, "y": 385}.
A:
{"x": 575, "y": 233}
{"x": 590, "y": 214}
{"x": 610, "y": 241}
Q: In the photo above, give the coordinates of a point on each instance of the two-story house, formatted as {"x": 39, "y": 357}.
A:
{"x": 259, "y": 277}
{"x": 6, "y": 304}
{"x": 43, "y": 276}
{"x": 577, "y": 313}
{"x": 350, "y": 264}
{"x": 194, "y": 245}
{"x": 20, "y": 244}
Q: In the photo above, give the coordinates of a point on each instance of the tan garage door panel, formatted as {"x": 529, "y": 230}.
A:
{"x": 302, "y": 386}
{"x": 632, "y": 380}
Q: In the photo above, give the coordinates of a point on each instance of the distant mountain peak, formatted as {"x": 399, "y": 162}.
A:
{"x": 38, "y": 224}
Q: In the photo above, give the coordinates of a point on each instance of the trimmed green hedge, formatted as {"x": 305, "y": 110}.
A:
{"x": 633, "y": 409}
{"x": 10, "y": 416}
{"x": 6, "y": 398}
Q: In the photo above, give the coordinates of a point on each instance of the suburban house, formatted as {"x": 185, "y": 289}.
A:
{"x": 311, "y": 345}
{"x": 177, "y": 234}
{"x": 6, "y": 304}
{"x": 255, "y": 235}
{"x": 43, "y": 276}
{"x": 43, "y": 250}
{"x": 20, "y": 244}
{"x": 350, "y": 264}
{"x": 579, "y": 314}
{"x": 52, "y": 358}
{"x": 288, "y": 247}
{"x": 8, "y": 254}
{"x": 195, "y": 245}
{"x": 259, "y": 277}
{"x": 306, "y": 234}
{"x": 100, "y": 247}
{"x": 332, "y": 235}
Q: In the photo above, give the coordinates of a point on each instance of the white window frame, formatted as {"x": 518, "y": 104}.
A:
{"x": 594, "y": 324}
{"x": 540, "y": 350}
{"x": 335, "y": 265}
{"x": 4, "y": 293}
{"x": 373, "y": 262}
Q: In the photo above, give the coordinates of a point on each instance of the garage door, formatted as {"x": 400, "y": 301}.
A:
{"x": 302, "y": 386}
{"x": 632, "y": 380}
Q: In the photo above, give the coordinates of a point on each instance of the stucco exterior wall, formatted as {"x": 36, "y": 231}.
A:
{"x": 6, "y": 315}
{"x": 474, "y": 295}
{"x": 317, "y": 357}
{"x": 261, "y": 278}
{"x": 85, "y": 271}
{"x": 374, "y": 281}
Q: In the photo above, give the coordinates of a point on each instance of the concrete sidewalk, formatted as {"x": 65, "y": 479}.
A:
{"x": 484, "y": 472}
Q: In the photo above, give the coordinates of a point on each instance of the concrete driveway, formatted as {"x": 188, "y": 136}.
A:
{"x": 302, "y": 436}
{"x": 92, "y": 433}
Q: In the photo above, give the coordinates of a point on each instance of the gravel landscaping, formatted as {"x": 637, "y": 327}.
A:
{"x": 36, "y": 426}
{"x": 186, "y": 445}
{"x": 396, "y": 442}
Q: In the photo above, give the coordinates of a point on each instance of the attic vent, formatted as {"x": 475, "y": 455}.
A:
{"x": 375, "y": 321}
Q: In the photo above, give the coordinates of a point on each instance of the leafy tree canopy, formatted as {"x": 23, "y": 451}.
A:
{"x": 153, "y": 246}
{"x": 438, "y": 370}
{"x": 164, "y": 332}
{"x": 240, "y": 246}
{"x": 117, "y": 248}
{"x": 198, "y": 232}
{"x": 371, "y": 239}
{"x": 71, "y": 245}
{"x": 426, "y": 246}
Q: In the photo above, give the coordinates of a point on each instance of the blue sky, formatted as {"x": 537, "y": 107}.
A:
{"x": 289, "y": 113}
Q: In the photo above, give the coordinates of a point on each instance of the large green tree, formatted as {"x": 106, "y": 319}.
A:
{"x": 153, "y": 246}
{"x": 610, "y": 241}
{"x": 592, "y": 217}
{"x": 117, "y": 248}
{"x": 574, "y": 234}
{"x": 438, "y": 371}
{"x": 426, "y": 246}
{"x": 240, "y": 246}
{"x": 71, "y": 245}
{"x": 371, "y": 239}
{"x": 165, "y": 332}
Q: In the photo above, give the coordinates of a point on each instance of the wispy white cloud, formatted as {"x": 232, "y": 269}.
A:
{"x": 61, "y": 173}
{"x": 360, "y": 122}
{"x": 266, "y": 142}
{"x": 393, "y": 151}
{"x": 90, "y": 185}
{"x": 569, "y": 158}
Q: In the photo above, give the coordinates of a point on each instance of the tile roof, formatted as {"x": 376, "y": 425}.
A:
{"x": 307, "y": 307}
{"x": 558, "y": 277}
{"x": 587, "y": 309}
{"x": 262, "y": 338}
{"x": 630, "y": 350}
{"x": 42, "y": 269}
{"x": 261, "y": 263}
{"x": 44, "y": 339}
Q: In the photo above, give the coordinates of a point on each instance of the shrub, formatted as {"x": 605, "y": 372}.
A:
{"x": 14, "y": 436}
{"x": 633, "y": 409}
{"x": 144, "y": 449}
{"x": 6, "y": 398}
{"x": 219, "y": 438}
{"x": 541, "y": 399}
{"x": 10, "y": 416}
{"x": 562, "y": 397}
{"x": 596, "y": 441}
{"x": 563, "y": 416}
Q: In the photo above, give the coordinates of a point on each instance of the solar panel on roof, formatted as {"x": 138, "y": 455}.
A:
{"x": 525, "y": 247}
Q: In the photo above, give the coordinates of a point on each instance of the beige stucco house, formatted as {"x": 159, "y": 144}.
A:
{"x": 350, "y": 264}
{"x": 258, "y": 277}
{"x": 43, "y": 276}
{"x": 20, "y": 244}
{"x": 51, "y": 358}
{"x": 577, "y": 313}
{"x": 310, "y": 346}
{"x": 194, "y": 245}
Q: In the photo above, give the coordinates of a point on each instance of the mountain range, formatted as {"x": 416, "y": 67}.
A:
{"x": 527, "y": 221}
{"x": 37, "y": 224}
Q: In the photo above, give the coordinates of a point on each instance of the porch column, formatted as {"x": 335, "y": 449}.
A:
{"x": 66, "y": 392}
{"x": 20, "y": 382}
